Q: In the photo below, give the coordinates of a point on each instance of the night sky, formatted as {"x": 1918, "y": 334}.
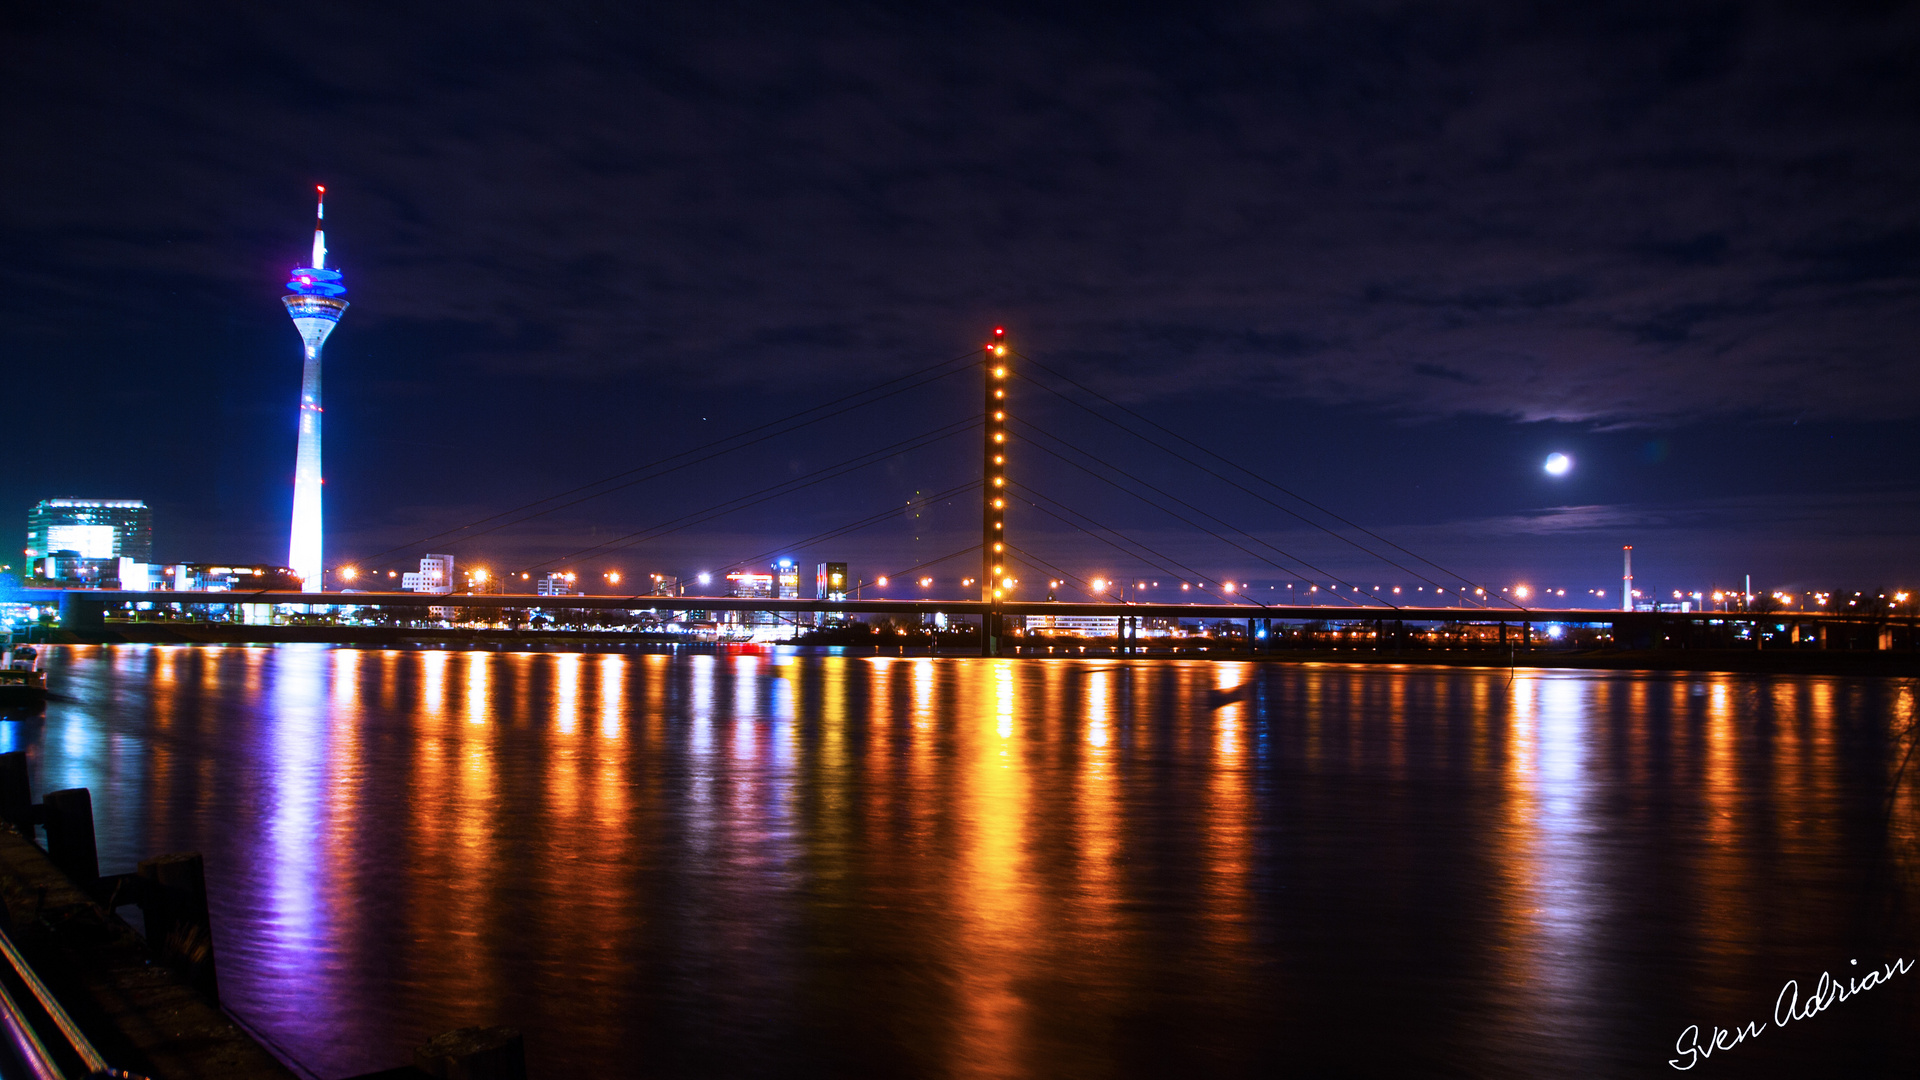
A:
{"x": 1389, "y": 256}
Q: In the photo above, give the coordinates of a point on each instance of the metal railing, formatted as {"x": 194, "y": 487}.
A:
{"x": 26, "y": 1042}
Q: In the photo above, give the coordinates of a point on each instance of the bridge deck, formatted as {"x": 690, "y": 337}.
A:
{"x": 115, "y": 598}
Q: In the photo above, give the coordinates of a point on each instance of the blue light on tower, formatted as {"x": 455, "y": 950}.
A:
{"x": 315, "y": 302}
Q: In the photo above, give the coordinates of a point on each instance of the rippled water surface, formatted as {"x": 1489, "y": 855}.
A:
{"x": 785, "y": 864}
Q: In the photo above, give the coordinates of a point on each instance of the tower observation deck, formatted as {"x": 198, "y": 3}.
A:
{"x": 316, "y": 301}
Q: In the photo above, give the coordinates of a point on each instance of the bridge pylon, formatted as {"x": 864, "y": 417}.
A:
{"x": 996, "y": 577}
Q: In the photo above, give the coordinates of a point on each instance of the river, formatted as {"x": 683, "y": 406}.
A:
{"x": 799, "y": 863}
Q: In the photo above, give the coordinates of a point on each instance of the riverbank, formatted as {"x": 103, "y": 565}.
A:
{"x": 1795, "y": 661}
{"x": 142, "y": 1016}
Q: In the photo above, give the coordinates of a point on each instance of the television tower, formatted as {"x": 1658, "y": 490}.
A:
{"x": 316, "y": 303}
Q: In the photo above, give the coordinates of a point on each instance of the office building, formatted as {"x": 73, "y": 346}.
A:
{"x": 554, "y": 584}
{"x": 830, "y": 583}
{"x": 90, "y": 529}
{"x": 745, "y": 583}
{"x": 1074, "y": 625}
{"x": 84, "y": 543}
{"x": 435, "y": 576}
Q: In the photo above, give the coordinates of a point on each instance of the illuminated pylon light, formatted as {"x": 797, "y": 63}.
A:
{"x": 993, "y": 503}
{"x": 993, "y": 509}
{"x": 315, "y": 302}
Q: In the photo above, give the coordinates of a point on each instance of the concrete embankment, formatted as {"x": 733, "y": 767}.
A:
{"x": 85, "y": 995}
{"x": 142, "y": 1016}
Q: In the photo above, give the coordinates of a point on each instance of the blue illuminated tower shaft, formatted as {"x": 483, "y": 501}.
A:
{"x": 316, "y": 304}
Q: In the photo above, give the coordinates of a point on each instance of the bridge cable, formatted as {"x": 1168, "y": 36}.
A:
{"x": 785, "y": 487}
{"x": 851, "y": 527}
{"x": 437, "y": 538}
{"x": 1109, "y": 481}
{"x": 924, "y": 565}
{"x": 1038, "y": 562}
{"x": 1190, "y": 571}
{"x": 1343, "y": 539}
{"x": 1285, "y": 509}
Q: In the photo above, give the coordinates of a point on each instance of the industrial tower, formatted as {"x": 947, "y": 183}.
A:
{"x": 316, "y": 303}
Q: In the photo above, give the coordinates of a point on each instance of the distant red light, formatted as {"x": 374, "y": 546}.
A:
{"x": 322, "y": 188}
{"x": 999, "y": 331}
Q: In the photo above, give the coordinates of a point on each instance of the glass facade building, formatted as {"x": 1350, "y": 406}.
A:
{"x": 91, "y": 529}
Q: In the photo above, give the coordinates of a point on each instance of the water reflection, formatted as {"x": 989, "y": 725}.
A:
{"x": 727, "y": 865}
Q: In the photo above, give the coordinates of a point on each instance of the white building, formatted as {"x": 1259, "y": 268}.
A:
{"x": 435, "y": 576}
{"x": 1075, "y": 625}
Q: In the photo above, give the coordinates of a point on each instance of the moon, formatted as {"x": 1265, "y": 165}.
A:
{"x": 1558, "y": 464}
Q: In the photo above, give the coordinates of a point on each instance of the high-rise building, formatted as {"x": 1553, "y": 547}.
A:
{"x": 91, "y": 529}
{"x": 316, "y": 302}
{"x": 88, "y": 543}
{"x": 830, "y": 583}
{"x": 554, "y": 584}
{"x": 744, "y": 583}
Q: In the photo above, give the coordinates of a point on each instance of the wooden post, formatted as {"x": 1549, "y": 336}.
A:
{"x": 16, "y": 793}
{"x": 70, "y": 835}
{"x": 474, "y": 1053}
{"x": 179, "y": 928}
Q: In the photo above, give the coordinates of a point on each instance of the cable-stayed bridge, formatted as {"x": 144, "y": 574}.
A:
{"x": 1023, "y": 465}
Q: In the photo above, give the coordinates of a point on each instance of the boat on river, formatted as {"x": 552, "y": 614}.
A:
{"x": 22, "y": 680}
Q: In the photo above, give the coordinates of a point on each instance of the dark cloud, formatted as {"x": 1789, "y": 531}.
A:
{"x": 1569, "y": 208}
